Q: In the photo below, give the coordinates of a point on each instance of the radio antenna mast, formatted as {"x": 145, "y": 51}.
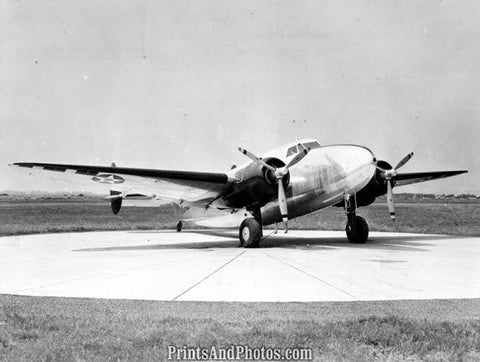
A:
{"x": 295, "y": 128}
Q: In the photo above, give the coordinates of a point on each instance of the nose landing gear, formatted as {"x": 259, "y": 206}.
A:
{"x": 357, "y": 227}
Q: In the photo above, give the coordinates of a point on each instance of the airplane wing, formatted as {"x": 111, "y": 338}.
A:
{"x": 415, "y": 177}
{"x": 167, "y": 184}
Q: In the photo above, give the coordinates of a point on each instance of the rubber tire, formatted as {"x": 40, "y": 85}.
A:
{"x": 254, "y": 233}
{"x": 357, "y": 232}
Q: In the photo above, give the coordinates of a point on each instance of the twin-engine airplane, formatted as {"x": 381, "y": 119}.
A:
{"x": 290, "y": 181}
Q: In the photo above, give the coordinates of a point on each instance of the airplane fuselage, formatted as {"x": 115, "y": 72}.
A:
{"x": 322, "y": 179}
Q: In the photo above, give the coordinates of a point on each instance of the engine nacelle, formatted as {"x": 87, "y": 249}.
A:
{"x": 376, "y": 187}
{"x": 256, "y": 185}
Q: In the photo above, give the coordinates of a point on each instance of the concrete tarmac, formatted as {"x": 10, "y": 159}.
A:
{"x": 208, "y": 265}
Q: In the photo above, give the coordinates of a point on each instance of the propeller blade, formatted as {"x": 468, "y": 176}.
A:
{"x": 282, "y": 200}
{"x": 256, "y": 159}
{"x": 404, "y": 161}
{"x": 297, "y": 158}
{"x": 391, "y": 205}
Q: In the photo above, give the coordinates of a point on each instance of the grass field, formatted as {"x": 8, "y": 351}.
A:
{"x": 47, "y": 216}
{"x": 62, "y": 329}
{"x": 69, "y": 329}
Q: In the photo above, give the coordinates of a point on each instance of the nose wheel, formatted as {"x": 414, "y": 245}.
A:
{"x": 357, "y": 227}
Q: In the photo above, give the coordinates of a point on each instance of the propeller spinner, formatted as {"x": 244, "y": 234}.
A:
{"x": 389, "y": 174}
{"x": 279, "y": 173}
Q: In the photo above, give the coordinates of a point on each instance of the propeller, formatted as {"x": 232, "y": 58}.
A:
{"x": 279, "y": 173}
{"x": 256, "y": 159}
{"x": 389, "y": 174}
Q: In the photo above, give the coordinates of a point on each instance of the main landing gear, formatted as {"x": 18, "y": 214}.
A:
{"x": 250, "y": 232}
{"x": 357, "y": 227}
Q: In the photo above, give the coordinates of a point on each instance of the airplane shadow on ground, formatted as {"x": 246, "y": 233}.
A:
{"x": 230, "y": 240}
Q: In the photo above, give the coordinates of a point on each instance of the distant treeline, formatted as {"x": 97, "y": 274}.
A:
{"x": 435, "y": 196}
{"x": 77, "y": 194}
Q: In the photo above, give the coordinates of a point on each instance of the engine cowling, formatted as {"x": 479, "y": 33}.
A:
{"x": 256, "y": 185}
{"x": 376, "y": 187}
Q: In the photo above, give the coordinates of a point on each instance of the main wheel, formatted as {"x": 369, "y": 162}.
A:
{"x": 250, "y": 233}
{"x": 357, "y": 230}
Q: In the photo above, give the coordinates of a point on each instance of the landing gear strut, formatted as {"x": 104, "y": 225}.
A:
{"x": 357, "y": 227}
{"x": 250, "y": 232}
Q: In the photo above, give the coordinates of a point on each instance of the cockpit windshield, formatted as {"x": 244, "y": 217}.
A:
{"x": 292, "y": 150}
{"x": 306, "y": 145}
{"x": 311, "y": 145}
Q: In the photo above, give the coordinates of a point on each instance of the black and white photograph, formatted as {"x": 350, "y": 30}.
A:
{"x": 257, "y": 180}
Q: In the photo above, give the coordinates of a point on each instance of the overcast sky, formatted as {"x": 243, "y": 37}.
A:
{"x": 182, "y": 84}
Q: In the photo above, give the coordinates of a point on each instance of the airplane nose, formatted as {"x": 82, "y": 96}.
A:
{"x": 359, "y": 166}
{"x": 359, "y": 157}
{"x": 353, "y": 160}
{"x": 366, "y": 161}
{"x": 369, "y": 156}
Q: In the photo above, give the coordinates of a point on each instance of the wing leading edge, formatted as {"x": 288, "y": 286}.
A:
{"x": 169, "y": 184}
{"x": 218, "y": 178}
{"x": 416, "y": 177}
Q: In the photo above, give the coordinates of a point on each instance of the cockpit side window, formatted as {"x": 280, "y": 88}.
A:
{"x": 292, "y": 150}
{"x": 311, "y": 145}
